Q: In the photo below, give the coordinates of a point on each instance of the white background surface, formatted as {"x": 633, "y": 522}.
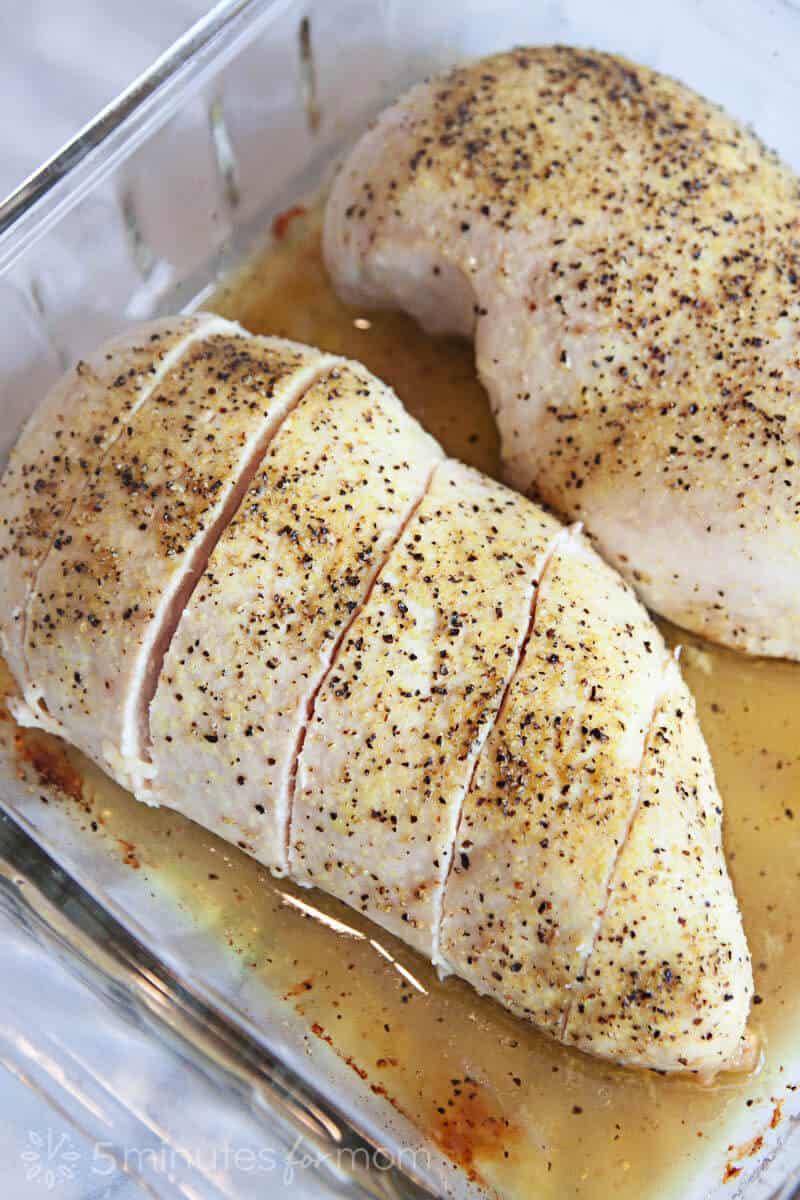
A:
{"x": 61, "y": 60}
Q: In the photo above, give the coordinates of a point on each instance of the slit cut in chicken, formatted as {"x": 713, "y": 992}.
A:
{"x": 111, "y": 589}
{"x": 670, "y": 874}
{"x": 61, "y": 448}
{"x": 329, "y": 500}
{"x": 409, "y": 700}
{"x": 440, "y": 704}
{"x": 555, "y": 790}
{"x": 626, "y": 258}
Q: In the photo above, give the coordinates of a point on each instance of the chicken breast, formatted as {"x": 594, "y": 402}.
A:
{"x": 276, "y": 607}
{"x": 663, "y": 1003}
{"x": 556, "y": 791}
{"x": 284, "y": 583}
{"x": 62, "y": 446}
{"x": 402, "y": 718}
{"x": 626, "y": 258}
{"x": 114, "y": 583}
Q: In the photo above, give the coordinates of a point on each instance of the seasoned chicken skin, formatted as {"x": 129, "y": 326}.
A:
{"x": 62, "y": 446}
{"x": 413, "y": 694}
{"x": 556, "y": 790}
{"x": 259, "y": 632}
{"x": 274, "y": 605}
{"x": 115, "y": 580}
{"x": 627, "y": 260}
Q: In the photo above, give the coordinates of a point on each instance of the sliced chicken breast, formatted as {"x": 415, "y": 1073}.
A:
{"x": 442, "y": 706}
{"x": 555, "y": 791}
{"x": 286, "y": 579}
{"x": 62, "y": 446}
{"x": 401, "y": 719}
{"x": 114, "y": 582}
{"x": 626, "y": 258}
{"x": 678, "y": 997}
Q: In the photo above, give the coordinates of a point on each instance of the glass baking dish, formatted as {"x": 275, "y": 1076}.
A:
{"x": 167, "y": 192}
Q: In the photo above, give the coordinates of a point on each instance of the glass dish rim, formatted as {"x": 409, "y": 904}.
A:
{"x": 31, "y": 209}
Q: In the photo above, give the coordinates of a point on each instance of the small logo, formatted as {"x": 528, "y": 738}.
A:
{"x": 49, "y": 1158}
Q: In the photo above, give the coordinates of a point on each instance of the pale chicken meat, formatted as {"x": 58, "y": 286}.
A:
{"x": 277, "y": 607}
{"x": 113, "y": 584}
{"x": 281, "y": 589}
{"x": 670, "y": 874}
{"x": 408, "y": 705}
{"x": 556, "y": 790}
{"x": 627, "y": 260}
{"x": 60, "y": 449}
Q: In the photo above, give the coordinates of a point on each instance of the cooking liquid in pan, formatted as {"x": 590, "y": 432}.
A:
{"x": 524, "y": 1117}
